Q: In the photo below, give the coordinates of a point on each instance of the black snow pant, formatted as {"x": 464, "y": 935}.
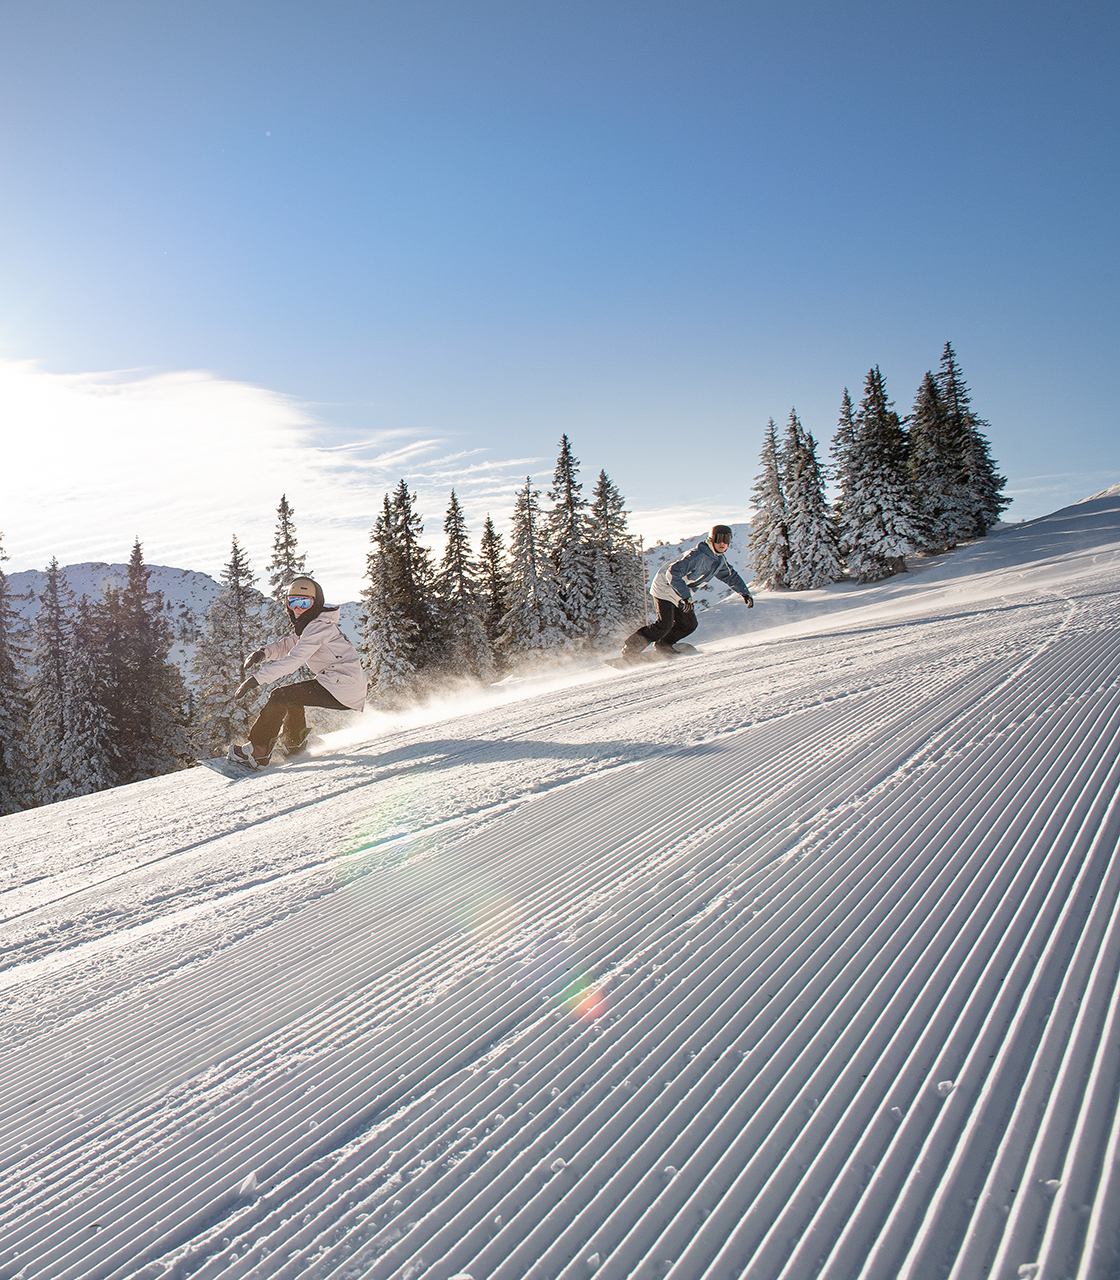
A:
{"x": 284, "y": 711}
{"x": 672, "y": 624}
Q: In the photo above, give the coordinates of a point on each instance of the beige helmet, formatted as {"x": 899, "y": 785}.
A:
{"x": 304, "y": 587}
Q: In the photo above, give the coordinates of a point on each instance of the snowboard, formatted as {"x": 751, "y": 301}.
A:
{"x": 650, "y": 657}
{"x": 228, "y": 769}
{"x": 225, "y": 766}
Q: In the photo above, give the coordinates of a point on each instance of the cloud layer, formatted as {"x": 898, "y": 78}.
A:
{"x": 186, "y": 460}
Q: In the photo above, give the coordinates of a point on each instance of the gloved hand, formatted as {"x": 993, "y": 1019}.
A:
{"x": 749, "y": 599}
{"x": 245, "y": 688}
{"x": 686, "y": 606}
{"x": 251, "y": 661}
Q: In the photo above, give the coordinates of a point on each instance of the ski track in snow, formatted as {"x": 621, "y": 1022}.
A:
{"x": 797, "y": 959}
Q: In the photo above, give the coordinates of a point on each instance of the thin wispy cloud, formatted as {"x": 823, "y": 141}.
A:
{"x": 185, "y": 460}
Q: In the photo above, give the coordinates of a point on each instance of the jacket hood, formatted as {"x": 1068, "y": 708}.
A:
{"x": 317, "y": 608}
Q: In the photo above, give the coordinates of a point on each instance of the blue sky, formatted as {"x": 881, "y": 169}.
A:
{"x": 324, "y": 246}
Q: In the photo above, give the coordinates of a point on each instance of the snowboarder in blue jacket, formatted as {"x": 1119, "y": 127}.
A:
{"x": 672, "y": 588}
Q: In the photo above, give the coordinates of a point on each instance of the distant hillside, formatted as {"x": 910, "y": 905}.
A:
{"x": 187, "y": 594}
{"x": 1111, "y": 492}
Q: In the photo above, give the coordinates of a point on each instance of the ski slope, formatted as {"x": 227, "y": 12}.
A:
{"x": 795, "y": 959}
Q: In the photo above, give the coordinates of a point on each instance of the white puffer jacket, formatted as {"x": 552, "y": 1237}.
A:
{"x": 327, "y": 652}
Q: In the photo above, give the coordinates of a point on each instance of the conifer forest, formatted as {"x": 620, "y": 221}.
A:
{"x": 90, "y": 698}
{"x": 904, "y": 486}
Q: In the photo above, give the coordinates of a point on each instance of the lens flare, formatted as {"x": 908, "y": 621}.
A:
{"x": 383, "y": 839}
{"x": 488, "y": 916}
{"x": 584, "y": 998}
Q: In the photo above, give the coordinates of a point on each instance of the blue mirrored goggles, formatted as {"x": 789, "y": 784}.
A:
{"x": 300, "y": 602}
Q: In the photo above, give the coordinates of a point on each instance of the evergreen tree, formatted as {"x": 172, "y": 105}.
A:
{"x": 49, "y": 688}
{"x": 390, "y": 635}
{"x": 937, "y": 470}
{"x": 145, "y": 691}
{"x": 618, "y": 578}
{"x": 534, "y": 619}
{"x": 571, "y": 555}
{"x": 402, "y": 636}
{"x": 73, "y": 735}
{"x": 462, "y": 602}
{"x": 92, "y": 756}
{"x": 769, "y": 535}
{"x": 843, "y": 459}
{"x": 16, "y": 788}
{"x": 814, "y": 554}
{"x": 493, "y": 578}
{"x": 286, "y": 564}
{"x": 883, "y": 520}
{"x": 983, "y": 486}
{"x": 417, "y": 577}
{"x": 234, "y": 629}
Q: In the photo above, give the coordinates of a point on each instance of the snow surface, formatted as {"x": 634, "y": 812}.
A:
{"x": 1110, "y": 492}
{"x": 797, "y": 958}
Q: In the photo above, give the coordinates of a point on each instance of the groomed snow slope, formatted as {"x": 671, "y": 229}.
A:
{"x": 799, "y": 958}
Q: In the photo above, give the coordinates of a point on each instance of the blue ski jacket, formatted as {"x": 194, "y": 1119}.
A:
{"x": 677, "y": 581}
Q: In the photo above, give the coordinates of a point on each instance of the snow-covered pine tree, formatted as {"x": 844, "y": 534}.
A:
{"x": 619, "y": 582}
{"x": 92, "y": 754}
{"x": 234, "y": 629}
{"x": 814, "y": 556}
{"x": 769, "y": 536}
{"x": 417, "y": 578}
{"x": 884, "y": 523}
{"x": 982, "y": 479}
{"x": 936, "y": 467}
{"x": 571, "y": 555}
{"x": 983, "y": 485}
{"x": 493, "y": 571}
{"x": 49, "y": 687}
{"x": 534, "y": 619}
{"x": 461, "y": 599}
{"x": 16, "y": 789}
{"x": 286, "y": 564}
{"x": 147, "y": 697}
{"x": 389, "y": 633}
{"x": 843, "y": 456}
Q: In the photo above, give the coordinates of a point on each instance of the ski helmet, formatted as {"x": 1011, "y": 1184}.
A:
{"x": 721, "y": 533}
{"x": 304, "y": 587}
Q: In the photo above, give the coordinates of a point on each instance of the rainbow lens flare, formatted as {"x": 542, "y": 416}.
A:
{"x": 385, "y": 852}
{"x": 584, "y": 998}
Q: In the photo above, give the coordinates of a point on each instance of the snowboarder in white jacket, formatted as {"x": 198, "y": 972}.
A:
{"x": 339, "y": 683}
{"x": 672, "y": 588}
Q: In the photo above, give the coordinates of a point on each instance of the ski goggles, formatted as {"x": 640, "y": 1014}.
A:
{"x": 300, "y": 602}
